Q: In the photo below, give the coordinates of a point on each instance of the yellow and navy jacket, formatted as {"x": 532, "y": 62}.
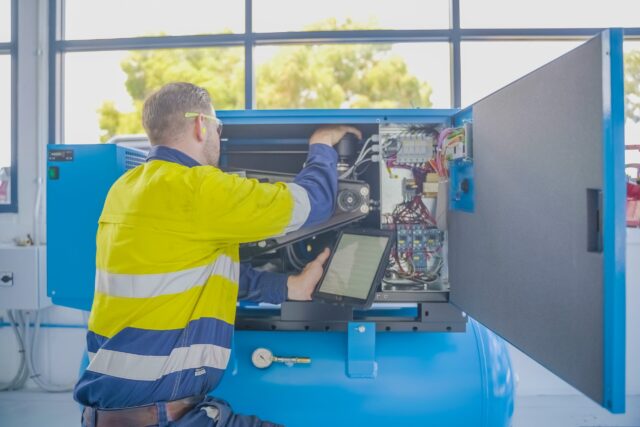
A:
{"x": 168, "y": 274}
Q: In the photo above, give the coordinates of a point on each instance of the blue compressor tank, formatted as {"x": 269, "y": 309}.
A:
{"x": 422, "y": 379}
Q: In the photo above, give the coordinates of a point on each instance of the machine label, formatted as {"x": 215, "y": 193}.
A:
{"x": 60, "y": 155}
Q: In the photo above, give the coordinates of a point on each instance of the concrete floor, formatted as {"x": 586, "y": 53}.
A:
{"x": 36, "y": 409}
{"x": 571, "y": 411}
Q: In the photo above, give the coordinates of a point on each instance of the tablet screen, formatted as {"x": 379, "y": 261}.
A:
{"x": 354, "y": 265}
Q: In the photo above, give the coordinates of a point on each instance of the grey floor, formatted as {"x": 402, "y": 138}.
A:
{"x": 36, "y": 409}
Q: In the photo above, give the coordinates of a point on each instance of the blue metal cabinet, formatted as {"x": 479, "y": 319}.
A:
{"x": 78, "y": 180}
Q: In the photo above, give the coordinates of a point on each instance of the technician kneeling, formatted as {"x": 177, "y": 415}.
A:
{"x": 167, "y": 267}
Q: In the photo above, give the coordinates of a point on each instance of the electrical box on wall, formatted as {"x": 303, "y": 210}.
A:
{"x": 23, "y": 277}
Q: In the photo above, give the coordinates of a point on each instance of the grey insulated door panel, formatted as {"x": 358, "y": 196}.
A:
{"x": 519, "y": 264}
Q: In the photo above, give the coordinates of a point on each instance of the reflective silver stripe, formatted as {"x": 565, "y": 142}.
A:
{"x": 301, "y": 207}
{"x": 150, "y": 368}
{"x": 151, "y": 285}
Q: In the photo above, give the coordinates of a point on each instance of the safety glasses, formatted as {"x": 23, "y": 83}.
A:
{"x": 207, "y": 116}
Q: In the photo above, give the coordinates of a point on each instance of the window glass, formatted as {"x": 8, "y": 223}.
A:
{"x": 549, "y": 13}
{"x": 98, "y": 19}
{"x": 5, "y": 129}
{"x": 104, "y": 91}
{"x": 489, "y": 66}
{"x": 5, "y": 21}
{"x": 402, "y": 75}
{"x": 268, "y": 15}
{"x": 632, "y": 100}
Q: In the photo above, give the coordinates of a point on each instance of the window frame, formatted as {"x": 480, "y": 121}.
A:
{"x": 11, "y": 48}
{"x": 454, "y": 35}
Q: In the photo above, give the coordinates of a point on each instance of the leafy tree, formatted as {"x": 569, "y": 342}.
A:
{"x": 632, "y": 84}
{"x": 298, "y": 76}
{"x": 339, "y": 76}
{"x": 219, "y": 70}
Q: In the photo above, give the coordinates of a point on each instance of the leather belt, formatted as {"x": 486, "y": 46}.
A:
{"x": 140, "y": 416}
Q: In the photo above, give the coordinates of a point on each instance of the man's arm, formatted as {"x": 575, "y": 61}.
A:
{"x": 319, "y": 177}
{"x": 261, "y": 286}
{"x": 275, "y": 288}
{"x": 236, "y": 209}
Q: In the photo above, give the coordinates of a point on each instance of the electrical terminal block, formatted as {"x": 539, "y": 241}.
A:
{"x": 403, "y": 238}
{"x": 462, "y": 149}
{"x": 434, "y": 238}
{"x": 415, "y": 150}
{"x": 419, "y": 236}
{"x": 419, "y": 261}
{"x": 457, "y": 151}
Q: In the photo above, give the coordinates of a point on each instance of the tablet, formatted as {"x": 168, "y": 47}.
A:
{"x": 355, "y": 268}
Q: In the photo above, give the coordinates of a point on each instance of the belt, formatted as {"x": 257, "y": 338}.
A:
{"x": 140, "y": 416}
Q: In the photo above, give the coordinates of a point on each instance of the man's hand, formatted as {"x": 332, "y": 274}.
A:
{"x": 300, "y": 286}
{"x": 330, "y": 135}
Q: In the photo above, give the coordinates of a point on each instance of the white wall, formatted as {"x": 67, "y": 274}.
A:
{"x": 59, "y": 352}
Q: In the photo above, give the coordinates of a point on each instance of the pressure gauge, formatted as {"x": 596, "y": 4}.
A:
{"x": 262, "y": 358}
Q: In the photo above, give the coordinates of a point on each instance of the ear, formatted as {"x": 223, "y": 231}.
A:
{"x": 200, "y": 129}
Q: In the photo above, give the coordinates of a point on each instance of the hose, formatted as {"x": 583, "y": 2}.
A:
{"x": 30, "y": 338}
{"x": 18, "y": 381}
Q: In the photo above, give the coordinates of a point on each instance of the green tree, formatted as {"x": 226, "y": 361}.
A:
{"x": 219, "y": 70}
{"x": 632, "y": 84}
{"x": 339, "y": 76}
{"x": 299, "y": 76}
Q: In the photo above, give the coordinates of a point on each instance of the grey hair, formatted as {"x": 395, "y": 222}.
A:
{"x": 163, "y": 111}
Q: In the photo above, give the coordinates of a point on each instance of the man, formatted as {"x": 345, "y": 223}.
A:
{"x": 167, "y": 271}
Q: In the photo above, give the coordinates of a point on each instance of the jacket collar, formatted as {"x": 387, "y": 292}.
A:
{"x": 161, "y": 152}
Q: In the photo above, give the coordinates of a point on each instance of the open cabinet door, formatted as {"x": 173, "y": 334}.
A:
{"x": 540, "y": 259}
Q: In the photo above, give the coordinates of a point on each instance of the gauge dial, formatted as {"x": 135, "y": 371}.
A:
{"x": 262, "y": 358}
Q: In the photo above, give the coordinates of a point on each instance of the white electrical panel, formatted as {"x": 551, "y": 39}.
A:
{"x": 414, "y": 177}
{"x": 23, "y": 277}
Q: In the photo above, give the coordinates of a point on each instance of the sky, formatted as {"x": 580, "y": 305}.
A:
{"x": 92, "y": 78}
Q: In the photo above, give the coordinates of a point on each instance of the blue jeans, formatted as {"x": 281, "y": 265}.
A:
{"x": 200, "y": 416}
{"x": 211, "y": 412}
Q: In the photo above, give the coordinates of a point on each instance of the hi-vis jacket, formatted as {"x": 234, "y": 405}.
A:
{"x": 168, "y": 272}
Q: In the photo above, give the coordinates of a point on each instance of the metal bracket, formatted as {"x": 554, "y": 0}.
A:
{"x": 361, "y": 350}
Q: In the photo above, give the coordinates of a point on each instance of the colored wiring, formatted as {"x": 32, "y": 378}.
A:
{"x": 361, "y": 159}
{"x": 414, "y": 211}
{"x": 447, "y": 139}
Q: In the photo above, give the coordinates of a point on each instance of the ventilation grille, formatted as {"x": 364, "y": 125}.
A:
{"x": 133, "y": 158}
